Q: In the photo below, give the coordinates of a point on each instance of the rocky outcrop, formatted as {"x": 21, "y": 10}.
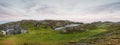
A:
{"x": 71, "y": 28}
{"x": 53, "y": 23}
{"x": 35, "y": 24}
{"x": 12, "y": 30}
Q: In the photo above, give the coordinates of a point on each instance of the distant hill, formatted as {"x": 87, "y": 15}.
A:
{"x": 35, "y": 23}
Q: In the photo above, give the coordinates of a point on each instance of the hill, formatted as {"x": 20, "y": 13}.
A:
{"x": 43, "y": 33}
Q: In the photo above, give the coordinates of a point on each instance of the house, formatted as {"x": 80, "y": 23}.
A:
{"x": 12, "y": 30}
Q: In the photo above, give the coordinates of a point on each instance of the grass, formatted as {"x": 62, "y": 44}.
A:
{"x": 48, "y": 36}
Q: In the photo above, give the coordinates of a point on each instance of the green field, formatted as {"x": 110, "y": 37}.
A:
{"x": 48, "y": 37}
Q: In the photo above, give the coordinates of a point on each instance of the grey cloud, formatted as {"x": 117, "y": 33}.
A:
{"x": 53, "y": 9}
{"x": 108, "y": 8}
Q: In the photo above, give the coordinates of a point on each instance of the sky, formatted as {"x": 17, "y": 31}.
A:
{"x": 73, "y": 10}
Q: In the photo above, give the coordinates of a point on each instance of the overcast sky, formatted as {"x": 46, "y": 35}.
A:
{"x": 74, "y": 10}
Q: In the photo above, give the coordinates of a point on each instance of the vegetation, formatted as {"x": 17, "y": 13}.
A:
{"x": 101, "y": 34}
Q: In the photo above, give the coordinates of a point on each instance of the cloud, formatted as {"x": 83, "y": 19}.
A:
{"x": 59, "y": 9}
{"x": 108, "y": 8}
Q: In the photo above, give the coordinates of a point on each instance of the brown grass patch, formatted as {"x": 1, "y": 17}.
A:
{"x": 7, "y": 42}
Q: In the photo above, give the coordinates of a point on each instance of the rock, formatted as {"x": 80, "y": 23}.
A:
{"x": 70, "y": 28}
{"x": 76, "y": 43}
{"x": 12, "y": 30}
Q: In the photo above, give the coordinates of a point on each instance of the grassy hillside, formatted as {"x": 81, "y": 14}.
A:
{"x": 48, "y": 36}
